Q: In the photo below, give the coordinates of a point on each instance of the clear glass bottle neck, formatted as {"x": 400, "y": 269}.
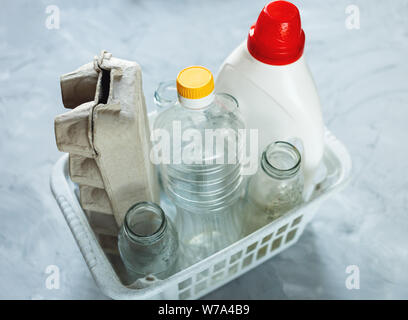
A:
{"x": 166, "y": 96}
{"x": 145, "y": 223}
{"x": 281, "y": 160}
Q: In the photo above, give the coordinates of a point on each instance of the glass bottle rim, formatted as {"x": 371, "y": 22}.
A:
{"x": 139, "y": 208}
{"x": 165, "y": 94}
{"x": 280, "y": 173}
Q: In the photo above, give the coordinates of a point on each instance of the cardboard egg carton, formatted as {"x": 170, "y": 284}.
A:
{"x": 107, "y": 137}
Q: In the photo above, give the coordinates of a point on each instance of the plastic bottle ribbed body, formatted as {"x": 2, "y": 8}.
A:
{"x": 200, "y": 168}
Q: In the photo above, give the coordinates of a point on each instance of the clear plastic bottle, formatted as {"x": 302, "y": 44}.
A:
{"x": 148, "y": 242}
{"x": 276, "y": 188}
{"x": 201, "y": 171}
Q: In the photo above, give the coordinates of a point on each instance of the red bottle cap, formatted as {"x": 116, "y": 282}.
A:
{"x": 277, "y": 37}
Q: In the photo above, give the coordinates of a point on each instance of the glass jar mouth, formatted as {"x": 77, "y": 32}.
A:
{"x": 140, "y": 208}
{"x": 225, "y": 99}
{"x": 292, "y": 155}
{"x": 166, "y": 94}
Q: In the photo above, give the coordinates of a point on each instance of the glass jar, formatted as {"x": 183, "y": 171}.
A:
{"x": 276, "y": 187}
{"x": 165, "y": 95}
{"x": 203, "y": 182}
{"x": 148, "y": 242}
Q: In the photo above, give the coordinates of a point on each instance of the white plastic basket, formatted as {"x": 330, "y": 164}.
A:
{"x": 216, "y": 270}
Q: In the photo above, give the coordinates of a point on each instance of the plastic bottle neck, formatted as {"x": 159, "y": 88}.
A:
{"x": 197, "y": 104}
{"x": 265, "y": 66}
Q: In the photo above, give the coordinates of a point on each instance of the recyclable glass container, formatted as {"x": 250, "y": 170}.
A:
{"x": 276, "y": 187}
{"x": 198, "y": 146}
{"x": 165, "y": 95}
{"x": 148, "y": 242}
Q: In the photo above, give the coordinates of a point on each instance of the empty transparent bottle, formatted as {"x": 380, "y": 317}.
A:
{"x": 276, "y": 187}
{"x": 148, "y": 242}
{"x": 198, "y": 147}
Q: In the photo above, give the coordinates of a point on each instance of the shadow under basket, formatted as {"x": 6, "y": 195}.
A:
{"x": 214, "y": 271}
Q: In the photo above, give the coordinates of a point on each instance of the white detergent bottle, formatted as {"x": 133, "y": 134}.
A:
{"x": 269, "y": 77}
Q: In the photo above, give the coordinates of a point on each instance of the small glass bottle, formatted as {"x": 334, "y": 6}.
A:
{"x": 148, "y": 242}
{"x": 276, "y": 188}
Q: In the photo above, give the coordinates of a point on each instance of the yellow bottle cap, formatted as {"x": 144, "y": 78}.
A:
{"x": 195, "y": 82}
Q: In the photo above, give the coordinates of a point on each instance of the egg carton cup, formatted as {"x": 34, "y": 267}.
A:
{"x": 214, "y": 271}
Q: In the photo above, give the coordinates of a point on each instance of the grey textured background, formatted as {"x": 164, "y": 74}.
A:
{"x": 362, "y": 80}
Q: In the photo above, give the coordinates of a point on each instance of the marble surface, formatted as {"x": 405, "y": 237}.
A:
{"x": 362, "y": 79}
